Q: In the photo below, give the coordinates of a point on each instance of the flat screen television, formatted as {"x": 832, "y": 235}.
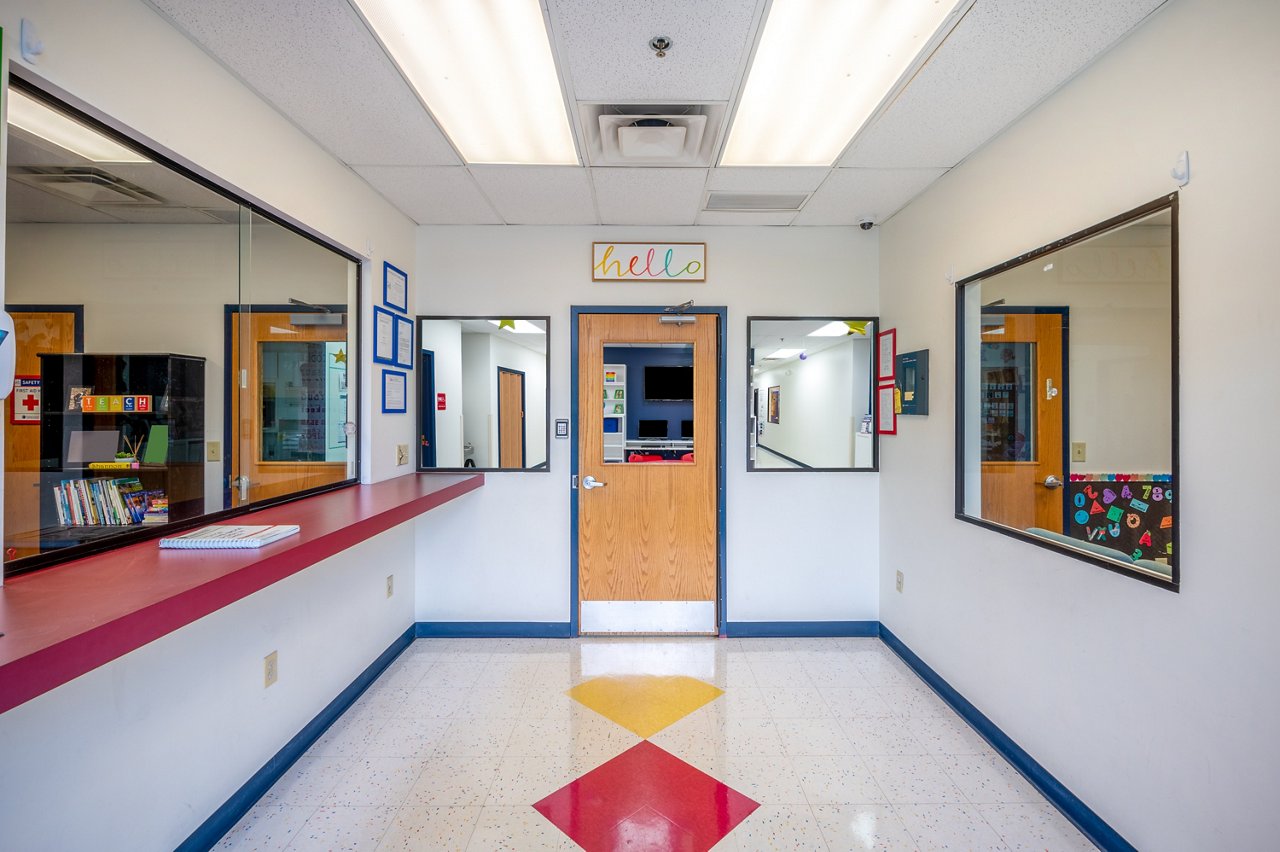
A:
{"x": 652, "y": 429}
{"x": 666, "y": 383}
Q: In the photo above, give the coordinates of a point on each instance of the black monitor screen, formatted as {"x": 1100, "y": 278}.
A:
{"x": 668, "y": 384}
{"x": 686, "y": 428}
{"x": 652, "y": 429}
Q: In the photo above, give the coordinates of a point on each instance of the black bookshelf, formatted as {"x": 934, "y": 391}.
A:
{"x": 175, "y": 384}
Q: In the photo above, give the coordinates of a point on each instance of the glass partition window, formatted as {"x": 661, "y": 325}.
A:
{"x": 1067, "y": 395}
{"x": 178, "y": 353}
{"x": 648, "y": 403}
{"x": 810, "y": 400}
{"x": 482, "y": 393}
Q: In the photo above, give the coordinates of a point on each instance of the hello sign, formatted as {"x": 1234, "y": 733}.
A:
{"x": 649, "y": 261}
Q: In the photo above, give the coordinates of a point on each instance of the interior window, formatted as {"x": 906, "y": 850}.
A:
{"x": 648, "y": 403}
{"x": 1067, "y": 417}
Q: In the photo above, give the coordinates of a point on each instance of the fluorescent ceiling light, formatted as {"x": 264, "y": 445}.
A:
{"x": 821, "y": 70}
{"x": 783, "y": 353}
{"x": 840, "y": 328}
{"x": 52, "y": 126}
{"x": 485, "y": 70}
{"x": 520, "y": 326}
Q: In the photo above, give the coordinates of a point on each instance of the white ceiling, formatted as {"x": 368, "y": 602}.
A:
{"x": 321, "y": 67}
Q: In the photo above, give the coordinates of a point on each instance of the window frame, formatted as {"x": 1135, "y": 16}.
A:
{"x": 48, "y": 93}
{"x": 1166, "y": 202}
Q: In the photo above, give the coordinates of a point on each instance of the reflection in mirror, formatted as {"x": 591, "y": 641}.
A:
{"x": 1069, "y": 436}
{"x": 648, "y": 402}
{"x": 810, "y": 399}
{"x": 482, "y": 393}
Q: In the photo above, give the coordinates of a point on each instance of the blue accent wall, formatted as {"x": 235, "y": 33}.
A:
{"x": 637, "y": 408}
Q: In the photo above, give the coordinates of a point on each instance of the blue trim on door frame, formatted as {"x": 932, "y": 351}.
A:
{"x": 745, "y": 629}
{"x": 233, "y": 809}
{"x": 523, "y": 423}
{"x": 721, "y": 574}
{"x": 426, "y": 405}
{"x": 1080, "y": 814}
{"x": 493, "y": 629}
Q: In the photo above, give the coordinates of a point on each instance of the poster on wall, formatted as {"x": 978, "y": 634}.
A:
{"x": 775, "y": 402}
{"x": 24, "y": 402}
{"x": 648, "y": 261}
{"x": 886, "y": 417}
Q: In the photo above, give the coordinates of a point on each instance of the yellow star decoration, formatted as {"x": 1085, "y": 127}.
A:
{"x": 644, "y": 704}
{"x": 340, "y": 357}
{"x": 506, "y": 323}
{"x": 857, "y": 327}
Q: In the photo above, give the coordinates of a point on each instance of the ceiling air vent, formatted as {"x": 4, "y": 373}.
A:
{"x": 85, "y": 185}
{"x": 651, "y": 134}
{"x": 755, "y": 201}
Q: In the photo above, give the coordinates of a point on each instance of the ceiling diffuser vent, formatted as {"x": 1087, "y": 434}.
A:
{"x": 85, "y": 185}
{"x": 755, "y": 201}
{"x": 651, "y": 134}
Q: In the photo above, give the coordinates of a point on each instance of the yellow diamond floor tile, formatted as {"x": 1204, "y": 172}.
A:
{"x": 644, "y": 704}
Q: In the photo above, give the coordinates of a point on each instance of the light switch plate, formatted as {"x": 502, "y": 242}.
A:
{"x": 1077, "y": 451}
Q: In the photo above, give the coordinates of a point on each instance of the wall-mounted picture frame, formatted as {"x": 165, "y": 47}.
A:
{"x": 384, "y": 336}
{"x": 395, "y": 392}
{"x": 403, "y": 343}
{"x": 886, "y": 416}
{"x": 775, "y": 403}
{"x": 395, "y": 288}
{"x": 886, "y": 353}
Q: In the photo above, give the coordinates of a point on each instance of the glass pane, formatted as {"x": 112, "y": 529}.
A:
{"x": 1008, "y": 407}
{"x": 304, "y": 401}
{"x": 647, "y": 397}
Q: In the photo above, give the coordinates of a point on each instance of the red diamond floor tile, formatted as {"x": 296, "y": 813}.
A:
{"x": 646, "y": 798}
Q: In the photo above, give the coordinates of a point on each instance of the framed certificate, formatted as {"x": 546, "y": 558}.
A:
{"x": 395, "y": 288}
{"x": 886, "y": 416}
{"x": 384, "y": 336}
{"x": 886, "y": 352}
{"x": 394, "y": 392}
{"x": 404, "y": 343}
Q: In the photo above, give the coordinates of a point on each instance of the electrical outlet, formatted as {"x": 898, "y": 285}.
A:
{"x": 391, "y": 584}
{"x": 899, "y": 582}
{"x": 1077, "y": 451}
{"x": 270, "y": 669}
{"x": 402, "y": 454}
{"x": 213, "y": 451}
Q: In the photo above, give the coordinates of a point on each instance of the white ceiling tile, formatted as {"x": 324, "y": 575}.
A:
{"x": 745, "y": 217}
{"x": 753, "y": 179}
{"x": 432, "y": 195}
{"x": 605, "y": 48}
{"x": 649, "y": 196}
{"x": 320, "y": 66}
{"x": 539, "y": 195}
{"x": 1002, "y": 59}
{"x": 851, "y": 195}
{"x": 25, "y": 204}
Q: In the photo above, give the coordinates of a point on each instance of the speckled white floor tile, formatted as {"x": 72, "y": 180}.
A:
{"x": 309, "y": 781}
{"x": 767, "y": 780}
{"x": 855, "y": 828}
{"x": 749, "y": 737}
{"x": 1034, "y": 828}
{"x": 405, "y": 737}
{"x": 837, "y": 673}
{"x": 453, "y": 782}
{"x": 743, "y": 702}
{"x": 499, "y": 701}
{"x": 343, "y": 828}
{"x": 417, "y": 828}
{"x": 881, "y": 735}
{"x": 780, "y": 674}
{"x": 814, "y": 737}
{"x": 988, "y": 779}
{"x": 347, "y": 737}
{"x": 938, "y": 827}
{"x": 380, "y": 701}
{"x": 914, "y": 701}
{"x": 483, "y": 736}
{"x": 521, "y": 781}
{"x": 855, "y": 701}
{"x": 266, "y": 828}
{"x": 376, "y": 781}
{"x": 775, "y": 827}
{"x": 837, "y": 781}
{"x": 521, "y": 829}
{"x": 947, "y": 735}
{"x": 451, "y": 672}
{"x": 913, "y": 779}
{"x": 795, "y": 702}
{"x": 440, "y": 701}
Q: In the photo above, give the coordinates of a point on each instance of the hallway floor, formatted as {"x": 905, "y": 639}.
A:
{"x": 740, "y": 744}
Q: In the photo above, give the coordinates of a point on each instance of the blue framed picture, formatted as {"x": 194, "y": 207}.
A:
{"x": 395, "y": 288}
{"x": 384, "y": 336}
{"x": 404, "y": 343}
{"x": 395, "y": 387}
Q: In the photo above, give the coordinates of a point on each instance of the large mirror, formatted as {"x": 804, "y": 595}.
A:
{"x": 810, "y": 393}
{"x": 1067, "y": 385}
{"x": 482, "y": 393}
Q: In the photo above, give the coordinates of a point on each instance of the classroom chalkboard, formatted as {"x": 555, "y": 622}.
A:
{"x": 1133, "y": 516}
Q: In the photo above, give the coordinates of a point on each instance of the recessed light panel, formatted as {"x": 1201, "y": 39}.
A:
{"x": 779, "y": 354}
{"x": 52, "y": 126}
{"x": 821, "y": 69}
{"x": 486, "y": 71}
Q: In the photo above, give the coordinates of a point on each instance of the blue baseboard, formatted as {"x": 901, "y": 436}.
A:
{"x": 493, "y": 629}
{"x": 1090, "y": 824}
{"x": 741, "y": 629}
{"x": 224, "y": 818}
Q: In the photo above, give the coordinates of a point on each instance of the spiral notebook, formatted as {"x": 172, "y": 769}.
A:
{"x": 228, "y": 536}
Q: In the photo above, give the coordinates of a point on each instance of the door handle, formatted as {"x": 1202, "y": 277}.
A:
{"x": 1052, "y": 481}
{"x": 589, "y": 482}
{"x": 242, "y": 485}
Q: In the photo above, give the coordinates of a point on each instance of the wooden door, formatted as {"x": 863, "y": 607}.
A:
{"x": 254, "y": 412}
{"x": 52, "y": 330}
{"x": 1023, "y": 401}
{"x": 510, "y": 418}
{"x": 647, "y": 540}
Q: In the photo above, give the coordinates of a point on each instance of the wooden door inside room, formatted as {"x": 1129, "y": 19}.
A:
{"x": 511, "y": 419}
{"x": 648, "y": 540}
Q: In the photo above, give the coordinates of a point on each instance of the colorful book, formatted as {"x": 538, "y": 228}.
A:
{"x": 229, "y": 536}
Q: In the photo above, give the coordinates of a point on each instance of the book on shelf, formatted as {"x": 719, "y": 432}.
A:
{"x": 229, "y": 536}
{"x": 102, "y": 501}
{"x": 114, "y": 465}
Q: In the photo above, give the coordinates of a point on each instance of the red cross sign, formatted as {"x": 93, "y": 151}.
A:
{"x": 24, "y": 404}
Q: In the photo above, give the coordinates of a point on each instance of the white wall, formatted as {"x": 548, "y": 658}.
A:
{"x": 534, "y": 366}
{"x": 1155, "y": 708}
{"x": 788, "y": 569}
{"x": 821, "y": 402}
{"x": 476, "y": 388}
{"x": 444, "y": 339}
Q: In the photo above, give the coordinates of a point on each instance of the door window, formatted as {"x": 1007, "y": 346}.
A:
{"x": 647, "y": 394}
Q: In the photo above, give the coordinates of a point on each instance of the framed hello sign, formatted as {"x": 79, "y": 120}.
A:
{"x": 649, "y": 262}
